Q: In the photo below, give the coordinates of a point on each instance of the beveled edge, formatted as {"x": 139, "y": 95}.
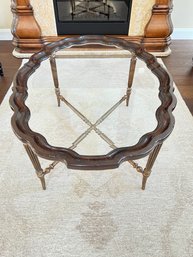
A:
{"x": 21, "y": 116}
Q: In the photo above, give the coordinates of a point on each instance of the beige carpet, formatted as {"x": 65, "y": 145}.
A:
{"x": 96, "y": 214}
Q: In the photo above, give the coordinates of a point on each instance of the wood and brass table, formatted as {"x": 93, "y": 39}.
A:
{"x": 148, "y": 144}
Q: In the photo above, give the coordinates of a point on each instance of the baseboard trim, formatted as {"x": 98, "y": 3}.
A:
{"x": 5, "y": 34}
{"x": 182, "y": 33}
{"x": 178, "y": 33}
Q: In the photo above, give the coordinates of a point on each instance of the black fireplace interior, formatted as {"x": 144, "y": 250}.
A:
{"x": 92, "y": 16}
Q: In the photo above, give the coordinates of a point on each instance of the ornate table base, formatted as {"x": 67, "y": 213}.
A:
{"x": 92, "y": 127}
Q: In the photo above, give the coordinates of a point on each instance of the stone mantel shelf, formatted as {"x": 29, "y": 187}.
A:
{"x": 91, "y": 53}
{"x": 30, "y": 34}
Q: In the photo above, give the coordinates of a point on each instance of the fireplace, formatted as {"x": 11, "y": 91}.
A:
{"x": 92, "y": 16}
{"x": 148, "y": 22}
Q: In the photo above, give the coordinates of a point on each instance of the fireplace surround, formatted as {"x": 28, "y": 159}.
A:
{"x": 33, "y": 27}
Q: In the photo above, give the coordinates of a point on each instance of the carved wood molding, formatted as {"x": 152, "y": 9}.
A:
{"x": 25, "y": 29}
{"x": 159, "y": 28}
{"x": 27, "y": 32}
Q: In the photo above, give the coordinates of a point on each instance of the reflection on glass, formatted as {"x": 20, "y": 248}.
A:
{"x": 92, "y": 10}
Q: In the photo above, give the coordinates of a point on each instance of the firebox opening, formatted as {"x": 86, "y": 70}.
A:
{"x": 92, "y": 16}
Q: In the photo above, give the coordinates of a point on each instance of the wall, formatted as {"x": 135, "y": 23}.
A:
{"x": 5, "y": 14}
{"x": 182, "y": 15}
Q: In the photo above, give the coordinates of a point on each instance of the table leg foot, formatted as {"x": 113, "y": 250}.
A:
{"x": 41, "y": 176}
{"x": 43, "y": 182}
{"x": 35, "y": 161}
{"x": 58, "y": 100}
{"x": 128, "y": 96}
{"x": 144, "y": 180}
{"x": 150, "y": 162}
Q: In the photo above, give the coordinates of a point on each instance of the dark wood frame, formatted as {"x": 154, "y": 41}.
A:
{"x": 27, "y": 36}
{"x": 148, "y": 144}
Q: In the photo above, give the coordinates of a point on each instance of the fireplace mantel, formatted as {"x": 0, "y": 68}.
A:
{"x": 32, "y": 27}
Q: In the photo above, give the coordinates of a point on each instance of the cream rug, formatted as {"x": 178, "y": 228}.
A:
{"x": 103, "y": 213}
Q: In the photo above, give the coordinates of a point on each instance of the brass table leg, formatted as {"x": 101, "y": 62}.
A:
{"x": 149, "y": 165}
{"x": 35, "y": 161}
{"x": 131, "y": 76}
{"x": 55, "y": 77}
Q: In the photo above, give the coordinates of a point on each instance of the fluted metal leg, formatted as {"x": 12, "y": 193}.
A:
{"x": 55, "y": 78}
{"x": 150, "y": 162}
{"x": 35, "y": 161}
{"x": 131, "y": 76}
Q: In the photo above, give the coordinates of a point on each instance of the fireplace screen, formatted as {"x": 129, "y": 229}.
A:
{"x": 92, "y": 16}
